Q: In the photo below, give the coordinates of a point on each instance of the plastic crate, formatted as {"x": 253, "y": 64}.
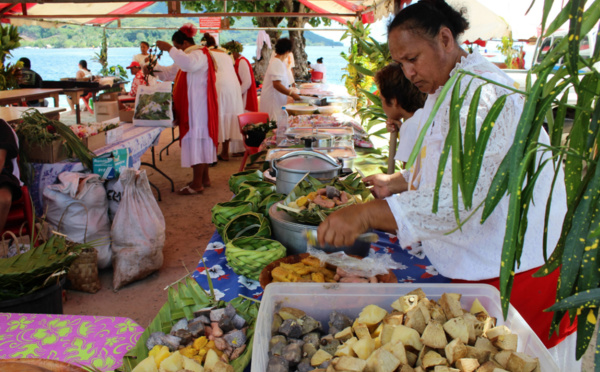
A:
{"x": 318, "y": 300}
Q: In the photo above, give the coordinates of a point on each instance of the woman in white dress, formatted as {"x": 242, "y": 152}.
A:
{"x": 82, "y": 73}
{"x": 141, "y": 58}
{"x": 231, "y": 105}
{"x": 276, "y": 84}
{"x": 194, "y": 103}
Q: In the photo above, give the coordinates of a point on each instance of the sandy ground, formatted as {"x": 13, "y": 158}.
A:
{"x": 188, "y": 231}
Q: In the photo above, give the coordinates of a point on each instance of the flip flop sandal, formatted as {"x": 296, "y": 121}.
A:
{"x": 222, "y": 158}
{"x": 188, "y": 191}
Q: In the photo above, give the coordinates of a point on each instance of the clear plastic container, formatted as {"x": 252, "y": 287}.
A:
{"x": 318, "y": 300}
{"x": 282, "y": 125}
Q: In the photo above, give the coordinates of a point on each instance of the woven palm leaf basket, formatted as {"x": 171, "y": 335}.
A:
{"x": 248, "y": 256}
{"x": 247, "y": 224}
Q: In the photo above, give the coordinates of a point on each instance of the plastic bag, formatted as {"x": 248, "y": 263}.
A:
{"x": 138, "y": 231}
{"x": 372, "y": 265}
{"x": 79, "y": 199}
{"x": 154, "y": 106}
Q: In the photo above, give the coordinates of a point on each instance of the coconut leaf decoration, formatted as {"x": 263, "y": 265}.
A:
{"x": 35, "y": 269}
{"x": 250, "y": 194}
{"x": 247, "y": 224}
{"x": 184, "y": 299}
{"x": 248, "y": 256}
{"x": 238, "y": 178}
{"x": 264, "y": 188}
{"x": 316, "y": 214}
{"x": 267, "y": 202}
{"x": 222, "y": 213}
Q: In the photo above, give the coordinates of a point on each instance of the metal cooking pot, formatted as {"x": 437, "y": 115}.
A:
{"x": 291, "y": 168}
{"x": 290, "y": 233}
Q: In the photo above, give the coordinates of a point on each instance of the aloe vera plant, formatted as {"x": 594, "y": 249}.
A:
{"x": 576, "y": 254}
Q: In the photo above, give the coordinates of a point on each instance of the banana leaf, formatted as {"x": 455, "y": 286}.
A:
{"x": 238, "y": 178}
{"x": 183, "y": 300}
{"x": 248, "y": 194}
{"x": 267, "y": 202}
{"x": 264, "y": 188}
{"x": 222, "y": 213}
{"x": 30, "y": 271}
{"x": 353, "y": 185}
{"x": 247, "y": 224}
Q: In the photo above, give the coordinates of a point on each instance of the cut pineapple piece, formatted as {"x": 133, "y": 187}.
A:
{"x": 161, "y": 354}
{"x": 146, "y": 365}
{"x": 172, "y": 364}
{"x": 211, "y": 359}
{"x": 191, "y": 365}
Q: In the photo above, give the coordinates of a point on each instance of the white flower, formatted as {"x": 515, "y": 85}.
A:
{"x": 218, "y": 294}
{"x": 215, "y": 271}
{"x": 214, "y": 246}
{"x": 248, "y": 283}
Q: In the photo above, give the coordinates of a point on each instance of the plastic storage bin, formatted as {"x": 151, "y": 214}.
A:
{"x": 318, "y": 300}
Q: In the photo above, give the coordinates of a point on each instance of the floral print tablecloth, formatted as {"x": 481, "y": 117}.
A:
{"x": 95, "y": 341}
{"x": 414, "y": 268}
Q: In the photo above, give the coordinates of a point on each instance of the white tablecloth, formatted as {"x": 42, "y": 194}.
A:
{"x": 137, "y": 139}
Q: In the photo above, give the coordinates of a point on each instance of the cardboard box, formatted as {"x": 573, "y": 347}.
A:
{"x": 95, "y": 142}
{"x": 126, "y": 116}
{"x": 50, "y": 153}
{"x": 108, "y": 96}
{"x": 109, "y": 166}
{"x": 106, "y": 110}
{"x": 318, "y": 300}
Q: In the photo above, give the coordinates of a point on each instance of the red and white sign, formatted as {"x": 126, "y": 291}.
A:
{"x": 209, "y": 22}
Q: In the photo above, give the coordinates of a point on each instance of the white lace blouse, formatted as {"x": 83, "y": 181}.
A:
{"x": 474, "y": 253}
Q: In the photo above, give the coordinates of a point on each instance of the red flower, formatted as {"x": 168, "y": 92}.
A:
{"x": 50, "y": 129}
{"x": 189, "y": 30}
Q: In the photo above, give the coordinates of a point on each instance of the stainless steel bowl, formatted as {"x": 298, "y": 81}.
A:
{"x": 288, "y": 232}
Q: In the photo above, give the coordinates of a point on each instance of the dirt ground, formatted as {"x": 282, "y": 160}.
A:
{"x": 188, "y": 231}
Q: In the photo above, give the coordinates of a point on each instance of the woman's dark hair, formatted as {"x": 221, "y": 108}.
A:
{"x": 26, "y": 62}
{"x": 83, "y": 65}
{"x": 283, "y": 46}
{"x": 210, "y": 41}
{"x": 320, "y": 60}
{"x": 428, "y": 17}
{"x": 394, "y": 85}
{"x": 145, "y": 43}
{"x": 179, "y": 37}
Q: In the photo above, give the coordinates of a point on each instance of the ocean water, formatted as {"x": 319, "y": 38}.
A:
{"x": 54, "y": 64}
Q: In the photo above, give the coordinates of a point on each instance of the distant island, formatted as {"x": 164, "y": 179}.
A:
{"x": 87, "y": 36}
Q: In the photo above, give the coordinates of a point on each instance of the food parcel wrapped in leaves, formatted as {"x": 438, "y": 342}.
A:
{"x": 238, "y": 178}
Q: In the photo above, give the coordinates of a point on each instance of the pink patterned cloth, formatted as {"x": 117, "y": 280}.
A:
{"x": 94, "y": 341}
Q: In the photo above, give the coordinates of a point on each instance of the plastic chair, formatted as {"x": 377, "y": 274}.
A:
{"x": 245, "y": 119}
{"x": 21, "y": 211}
{"x": 316, "y": 76}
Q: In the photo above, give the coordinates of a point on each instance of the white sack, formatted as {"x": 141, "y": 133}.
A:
{"x": 114, "y": 193}
{"x": 138, "y": 231}
{"x": 73, "y": 190}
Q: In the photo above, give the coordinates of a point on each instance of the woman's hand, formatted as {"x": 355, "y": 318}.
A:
{"x": 163, "y": 45}
{"x": 295, "y": 96}
{"x": 392, "y": 125}
{"x": 384, "y": 185}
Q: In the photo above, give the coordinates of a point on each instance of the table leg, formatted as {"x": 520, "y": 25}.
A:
{"x": 153, "y": 166}
{"x": 77, "y": 113}
{"x": 55, "y": 96}
{"x": 157, "y": 190}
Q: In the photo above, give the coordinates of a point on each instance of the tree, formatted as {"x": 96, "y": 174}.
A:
{"x": 208, "y": 6}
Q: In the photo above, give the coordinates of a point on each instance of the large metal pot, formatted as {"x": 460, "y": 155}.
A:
{"x": 289, "y": 232}
{"x": 291, "y": 168}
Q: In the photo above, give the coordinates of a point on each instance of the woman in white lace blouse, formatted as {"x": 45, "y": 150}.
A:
{"x": 423, "y": 40}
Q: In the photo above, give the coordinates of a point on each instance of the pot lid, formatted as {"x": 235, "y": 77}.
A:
{"x": 307, "y": 161}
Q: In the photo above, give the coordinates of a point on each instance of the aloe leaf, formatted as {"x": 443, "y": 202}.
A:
{"x": 497, "y": 188}
{"x": 471, "y": 131}
{"x": 376, "y": 100}
{"x": 362, "y": 70}
{"x": 559, "y": 122}
{"x": 586, "y": 325}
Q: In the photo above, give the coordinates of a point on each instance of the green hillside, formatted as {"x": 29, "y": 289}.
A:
{"x": 79, "y": 37}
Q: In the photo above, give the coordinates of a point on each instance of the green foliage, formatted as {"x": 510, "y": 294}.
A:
{"x": 366, "y": 56}
{"x": 576, "y": 254}
{"x": 9, "y": 40}
{"x": 507, "y": 50}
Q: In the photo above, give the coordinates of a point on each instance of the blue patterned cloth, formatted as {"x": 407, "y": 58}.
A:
{"x": 137, "y": 139}
{"x": 416, "y": 268}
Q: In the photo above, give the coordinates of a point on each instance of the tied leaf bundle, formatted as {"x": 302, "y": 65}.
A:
{"x": 222, "y": 213}
{"x": 36, "y": 128}
{"x": 267, "y": 202}
{"x": 248, "y": 256}
{"x": 184, "y": 299}
{"x": 262, "y": 187}
{"x": 248, "y": 224}
{"x": 30, "y": 271}
{"x": 238, "y": 178}
{"x": 250, "y": 194}
{"x": 316, "y": 214}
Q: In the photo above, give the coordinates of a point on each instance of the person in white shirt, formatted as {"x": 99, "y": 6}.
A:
{"x": 320, "y": 67}
{"x": 276, "y": 83}
{"x": 141, "y": 58}
{"x": 423, "y": 39}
